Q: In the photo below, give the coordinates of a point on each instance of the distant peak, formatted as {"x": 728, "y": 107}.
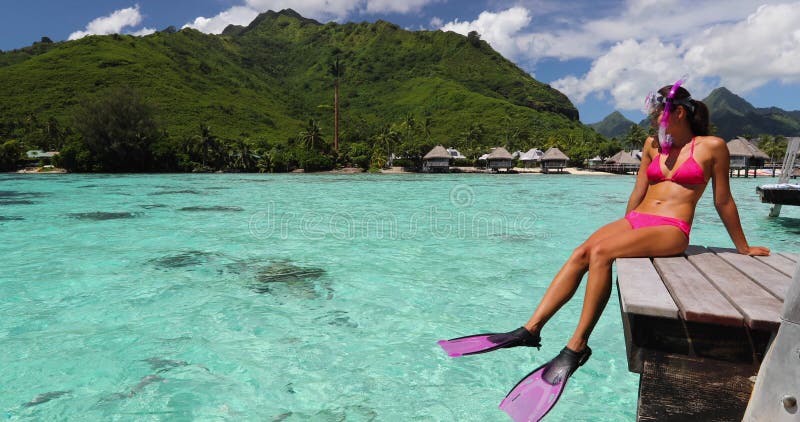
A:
{"x": 290, "y": 13}
{"x": 722, "y": 98}
{"x": 722, "y": 91}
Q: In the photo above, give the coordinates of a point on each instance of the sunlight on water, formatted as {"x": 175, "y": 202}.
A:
{"x": 304, "y": 297}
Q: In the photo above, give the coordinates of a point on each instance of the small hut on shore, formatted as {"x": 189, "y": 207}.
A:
{"x": 594, "y": 163}
{"x": 554, "y": 159}
{"x": 500, "y": 158}
{"x": 745, "y": 156}
{"x": 436, "y": 160}
{"x": 531, "y": 158}
{"x": 622, "y": 162}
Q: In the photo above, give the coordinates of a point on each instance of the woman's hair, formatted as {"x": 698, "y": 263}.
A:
{"x": 698, "y": 112}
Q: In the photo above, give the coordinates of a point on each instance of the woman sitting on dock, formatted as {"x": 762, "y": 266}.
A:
{"x": 675, "y": 170}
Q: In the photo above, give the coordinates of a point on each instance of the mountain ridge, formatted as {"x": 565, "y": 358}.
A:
{"x": 245, "y": 82}
{"x": 732, "y": 116}
{"x": 615, "y": 125}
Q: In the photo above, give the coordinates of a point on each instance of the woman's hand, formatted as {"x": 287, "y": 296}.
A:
{"x": 755, "y": 251}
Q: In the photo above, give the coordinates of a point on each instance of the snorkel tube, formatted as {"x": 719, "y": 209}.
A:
{"x": 664, "y": 138}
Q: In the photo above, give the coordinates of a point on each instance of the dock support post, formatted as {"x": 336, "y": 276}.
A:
{"x": 777, "y": 391}
{"x": 786, "y": 170}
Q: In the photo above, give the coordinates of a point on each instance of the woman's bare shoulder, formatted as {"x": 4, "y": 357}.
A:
{"x": 711, "y": 142}
{"x": 649, "y": 147}
{"x": 712, "y": 148}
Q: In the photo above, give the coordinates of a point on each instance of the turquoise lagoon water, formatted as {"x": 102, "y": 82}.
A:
{"x": 304, "y": 297}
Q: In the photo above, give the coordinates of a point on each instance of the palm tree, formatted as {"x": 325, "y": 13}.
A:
{"x": 208, "y": 142}
{"x": 336, "y": 70}
{"x": 511, "y": 134}
{"x": 241, "y": 156}
{"x": 473, "y": 135}
{"x": 425, "y": 128}
{"x": 410, "y": 124}
{"x": 387, "y": 137}
{"x": 311, "y": 138}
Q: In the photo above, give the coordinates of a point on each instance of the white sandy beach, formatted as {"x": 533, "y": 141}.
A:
{"x": 520, "y": 170}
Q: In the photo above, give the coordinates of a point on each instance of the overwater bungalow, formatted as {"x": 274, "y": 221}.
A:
{"x": 745, "y": 156}
{"x": 554, "y": 159}
{"x": 531, "y": 158}
{"x": 622, "y": 162}
{"x": 436, "y": 160}
{"x": 500, "y": 158}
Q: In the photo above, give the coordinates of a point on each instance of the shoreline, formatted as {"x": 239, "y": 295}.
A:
{"x": 393, "y": 170}
{"x": 41, "y": 170}
{"x": 515, "y": 170}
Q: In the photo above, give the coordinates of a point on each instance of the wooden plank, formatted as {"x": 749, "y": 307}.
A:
{"x": 772, "y": 280}
{"x": 780, "y": 263}
{"x": 760, "y": 309}
{"x": 641, "y": 290}
{"x": 697, "y": 299}
{"x": 682, "y": 388}
{"x": 793, "y": 256}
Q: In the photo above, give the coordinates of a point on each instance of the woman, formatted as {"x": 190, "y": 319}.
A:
{"x": 658, "y": 218}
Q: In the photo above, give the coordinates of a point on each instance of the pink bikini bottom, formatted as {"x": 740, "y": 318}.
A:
{"x": 639, "y": 220}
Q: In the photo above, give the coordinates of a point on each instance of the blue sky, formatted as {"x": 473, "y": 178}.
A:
{"x": 604, "y": 54}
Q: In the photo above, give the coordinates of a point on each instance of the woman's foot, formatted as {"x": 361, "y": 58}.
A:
{"x": 563, "y": 365}
{"x": 482, "y": 343}
{"x": 519, "y": 337}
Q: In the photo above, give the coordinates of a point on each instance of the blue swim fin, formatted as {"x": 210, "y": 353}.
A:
{"x": 539, "y": 391}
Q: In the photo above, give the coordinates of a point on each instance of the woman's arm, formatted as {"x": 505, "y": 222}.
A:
{"x": 640, "y": 188}
{"x": 723, "y": 200}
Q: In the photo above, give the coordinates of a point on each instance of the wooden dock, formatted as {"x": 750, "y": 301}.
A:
{"x": 697, "y": 327}
{"x": 783, "y": 193}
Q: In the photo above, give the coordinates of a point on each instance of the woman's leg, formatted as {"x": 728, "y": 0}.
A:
{"x": 569, "y": 277}
{"x": 647, "y": 241}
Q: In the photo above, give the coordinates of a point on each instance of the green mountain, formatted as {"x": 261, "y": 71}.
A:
{"x": 615, "y": 125}
{"x": 263, "y": 83}
{"x": 733, "y": 116}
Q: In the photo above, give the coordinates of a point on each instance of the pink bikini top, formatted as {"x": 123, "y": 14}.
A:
{"x": 689, "y": 173}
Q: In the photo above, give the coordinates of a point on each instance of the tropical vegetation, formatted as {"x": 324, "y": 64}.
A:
{"x": 269, "y": 97}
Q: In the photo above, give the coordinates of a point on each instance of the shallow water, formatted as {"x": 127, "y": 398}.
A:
{"x": 304, "y": 297}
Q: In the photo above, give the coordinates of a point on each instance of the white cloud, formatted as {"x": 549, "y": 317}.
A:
{"x": 436, "y": 22}
{"x": 144, "y": 31}
{"x": 500, "y": 29}
{"x": 750, "y": 53}
{"x": 111, "y": 24}
{"x": 322, "y": 10}
{"x": 627, "y": 72}
{"x": 742, "y": 55}
{"x": 238, "y": 15}
{"x": 315, "y": 9}
{"x": 395, "y": 6}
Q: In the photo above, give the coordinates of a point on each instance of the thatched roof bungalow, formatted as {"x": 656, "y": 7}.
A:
{"x": 531, "y": 158}
{"x": 500, "y": 158}
{"x": 554, "y": 159}
{"x": 623, "y": 162}
{"x": 436, "y": 160}
{"x": 745, "y": 155}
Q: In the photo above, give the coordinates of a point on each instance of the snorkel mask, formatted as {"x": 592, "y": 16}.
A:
{"x": 653, "y": 105}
